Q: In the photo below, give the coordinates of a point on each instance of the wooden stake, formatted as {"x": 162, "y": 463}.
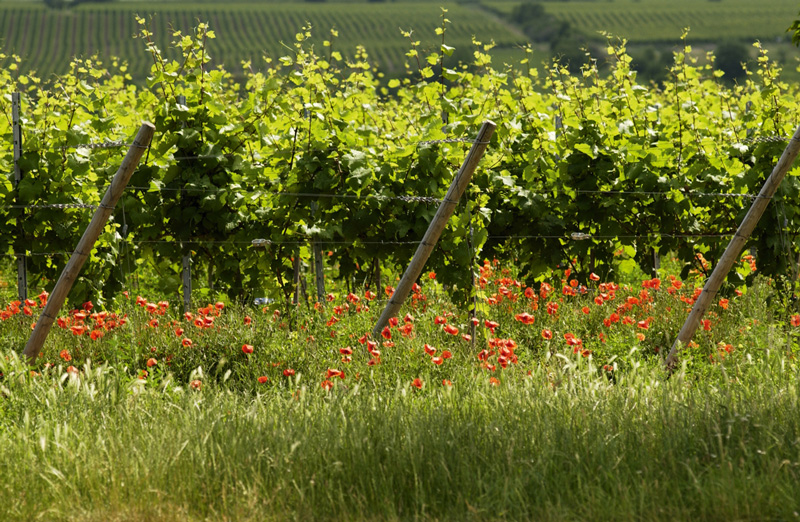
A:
{"x": 734, "y": 248}
{"x": 319, "y": 276}
{"x": 296, "y": 278}
{"x": 22, "y": 266}
{"x": 186, "y": 259}
{"x": 86, "y": 243}
{"x": 436, "y": 227}
{"x": 186, "y": 278}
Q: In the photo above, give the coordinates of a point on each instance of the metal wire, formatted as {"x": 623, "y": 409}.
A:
{"x": 408, "y": 199}
{"x": 103, "y": 145}
{"x": 452, "y": 140}
{"x": 269, "y": 241}
{"x": 774, "y": 138}
{"x": 662, "y": 193}
{"x": 60, "y": 206}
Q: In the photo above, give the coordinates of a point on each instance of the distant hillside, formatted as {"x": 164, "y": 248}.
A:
{"x": 47, "y": 38}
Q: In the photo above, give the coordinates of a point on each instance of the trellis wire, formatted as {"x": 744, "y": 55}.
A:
{"x": 773, "y": 138}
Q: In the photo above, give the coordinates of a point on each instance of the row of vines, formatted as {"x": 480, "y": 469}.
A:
{"x": 581, "y": 166}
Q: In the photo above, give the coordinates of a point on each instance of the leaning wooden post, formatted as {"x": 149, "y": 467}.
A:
{"x": 87, "y": 241}
{"x": 186, "y": 259}
{"x": 734, "y": 248}
{"x": 436, "y": 227}
{"x": 22, "y": 266}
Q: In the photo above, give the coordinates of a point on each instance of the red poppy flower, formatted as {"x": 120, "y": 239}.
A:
{"x": 263, "y": 379}
{"x": 78, "y": 330}
{"x": 795, "y": 320}
{"x": 186, "y": 342}
{"x": 430, "y": 350}
{"x": 529, "y": 293}
{"x": 417, "y": 383}
{"x": 326, "y": 384}
{"x": 65, "y": 355}
{"x": 547, "y": 334}
{"x": 346, "y": 351}
{"x": 247, "y": 348}
{"x": 525, "y": 318}
{"x": 439, "y": 320}
{"x": 446, "y": 382}
{"x": 586, "y": 310}
{"x": 447, "y": 354}
{"x": 72, "y": 369}
{"x": 386, "y": 333}
{"x": 431, "y": 275}
{"x": 178, "y": 332}
{"x": 452, "y": 330}
{"x": 552, "y": 308}
{"x": 491, "y": 325}
{"x": 196, "y": 384}
{"x": 219, "y": 305}
{"x": 437, "y": 360}
{"x": 389, "y": 291}
{"x": 335, "y": 373}
{"x": 594, "y": 277}
{"x": 494, "y": 381}
{"x": 288, "y": 372}
{"x": 247, "y": 320}
{"x": 393, "y": 321}
{"x": 373, "y": 362}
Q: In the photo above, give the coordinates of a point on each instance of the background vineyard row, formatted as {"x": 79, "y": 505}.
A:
{"x": 47, "y": 39}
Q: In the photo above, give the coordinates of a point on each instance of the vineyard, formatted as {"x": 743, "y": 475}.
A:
{"x": 312, "y": 151}
{"x": 651, "y": 21}
{"x": 48, "y": 39}
{"x": 524, "y": 377}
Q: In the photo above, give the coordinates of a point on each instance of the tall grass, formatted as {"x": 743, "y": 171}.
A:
{"x": 559, "y": 444}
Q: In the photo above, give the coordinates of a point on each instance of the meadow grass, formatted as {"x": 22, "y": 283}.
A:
{"x": 103, "y": 447}
{"x": 600, "y": 432}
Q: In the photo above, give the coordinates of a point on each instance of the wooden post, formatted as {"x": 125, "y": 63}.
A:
{"x": 186, "y": 277}
{"x": 734, "y": 248}
{"x": 186, "y": 259}
{"x": 296, "y": 277}
{"x": 86, "y": 243}
{"x": 656, "y": 262}
{"x": 22, "y": 265}
{"x": 436, "y": 227}
{"x": 319, "y": 276}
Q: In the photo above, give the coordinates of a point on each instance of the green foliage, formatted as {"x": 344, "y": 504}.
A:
{"x": 314, "y": 149}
